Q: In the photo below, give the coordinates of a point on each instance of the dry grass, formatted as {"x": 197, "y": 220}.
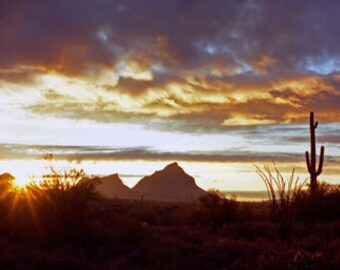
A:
{"x": 281, "y": 194}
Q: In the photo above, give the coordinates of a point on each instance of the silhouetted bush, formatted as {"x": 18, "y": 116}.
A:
{"x": 215, "y": 210}
{"x": 61, "y": 208}
{"x": 321, "y": 205}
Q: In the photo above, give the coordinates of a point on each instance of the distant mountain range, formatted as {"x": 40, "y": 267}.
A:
{"x": 171, "y": 183}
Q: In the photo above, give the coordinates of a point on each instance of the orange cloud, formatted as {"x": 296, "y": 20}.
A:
{"x": 212, "y": 64}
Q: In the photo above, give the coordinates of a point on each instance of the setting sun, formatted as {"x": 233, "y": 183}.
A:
{"x": 21, "y": 182}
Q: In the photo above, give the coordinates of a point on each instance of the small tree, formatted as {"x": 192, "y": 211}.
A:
{"x": 281, "y": 194}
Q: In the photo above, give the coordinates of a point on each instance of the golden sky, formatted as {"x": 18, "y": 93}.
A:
{"x": 200, "y": 81}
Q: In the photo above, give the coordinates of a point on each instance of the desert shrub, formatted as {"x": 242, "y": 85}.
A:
{"x": 282, "y": 196}
{"x": 215, "y": 210}
{"x": 322, "y": 205}
{"x": 61, "y": 207}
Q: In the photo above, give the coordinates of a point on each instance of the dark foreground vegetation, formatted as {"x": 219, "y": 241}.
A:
{"x": 64, "y": 225}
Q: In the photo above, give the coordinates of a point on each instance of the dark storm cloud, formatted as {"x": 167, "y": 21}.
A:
{"x": 54, "y": 34}
{"x": 72, "y": 36}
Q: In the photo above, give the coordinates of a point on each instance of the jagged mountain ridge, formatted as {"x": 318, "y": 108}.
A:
{"x": 170, "y": 183}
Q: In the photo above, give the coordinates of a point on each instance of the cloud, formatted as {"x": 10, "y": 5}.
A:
{"x": 80, "y": 153}
{"x": 73, "y": 36}
{"x": 188, "y": 66}
{"x": 321, "y": 139}
{"x": 140, "y": 86}
{"x": 145, "y": 153}
{"x": 185, "y": 107}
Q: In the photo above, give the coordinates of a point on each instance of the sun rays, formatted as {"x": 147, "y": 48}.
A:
{"x": 28, "y": 197}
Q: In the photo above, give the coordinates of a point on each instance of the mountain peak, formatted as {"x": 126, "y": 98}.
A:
{"x": 6, "y": 176}
{"x": 170, "y": 183}
{"x": 114, "y": 176}
{"x": 173, "y": 167}
{"x": 112, "y": 186}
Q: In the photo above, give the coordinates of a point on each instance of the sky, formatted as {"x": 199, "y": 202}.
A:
{"x": 129, "y": 86}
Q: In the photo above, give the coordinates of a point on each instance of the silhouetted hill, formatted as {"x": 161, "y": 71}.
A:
{"x": 171, "y": 183}
{"x": 6, "y": 180}
{"x": 6, "y": 177}
{"x": 112, "y": 186}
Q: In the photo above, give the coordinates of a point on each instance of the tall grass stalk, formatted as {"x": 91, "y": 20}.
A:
{"x": 281, "y": 194}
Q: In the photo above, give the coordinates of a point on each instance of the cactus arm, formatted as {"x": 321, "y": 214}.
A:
{"x": 308, "y": 162}
{"x": 319, "y": 171}
{"x": 316, "y": 125}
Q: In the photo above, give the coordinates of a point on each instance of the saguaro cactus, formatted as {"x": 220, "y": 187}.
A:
{"x": 311, "y": 162}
